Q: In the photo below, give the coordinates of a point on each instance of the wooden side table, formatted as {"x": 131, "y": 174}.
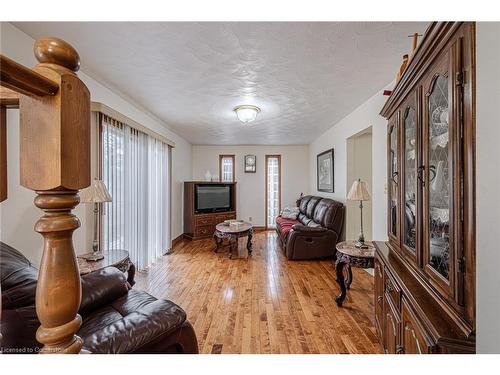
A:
{"x": 349, "y": 256}
{"x": 232, "y": 233}
{"x": 112, "y": 258}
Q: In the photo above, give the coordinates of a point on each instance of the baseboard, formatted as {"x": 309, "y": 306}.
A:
{"x": 177, "y": 240}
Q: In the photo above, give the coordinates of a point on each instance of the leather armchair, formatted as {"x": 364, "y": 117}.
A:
{"x": 316, "y": 230}
{"x": 116, "y": 318}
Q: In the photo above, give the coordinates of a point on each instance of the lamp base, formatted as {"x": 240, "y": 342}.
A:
{"x": 94, "y": 257}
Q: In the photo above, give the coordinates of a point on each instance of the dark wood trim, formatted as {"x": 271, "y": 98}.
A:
{"x": 265, "y": 186}
{"x": 220, "y": 167}
{"x": 3, "y": 153}
{"x": 26, "y": 81}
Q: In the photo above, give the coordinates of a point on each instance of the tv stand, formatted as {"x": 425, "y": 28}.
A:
{"x": 202, "y": 225}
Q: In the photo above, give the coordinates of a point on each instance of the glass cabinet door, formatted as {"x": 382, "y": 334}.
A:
{"x": 441, "y": 179}
{"x": 393, "y": 140}
{"x": 439, "y": 188}
{"x": 409, "y": 215}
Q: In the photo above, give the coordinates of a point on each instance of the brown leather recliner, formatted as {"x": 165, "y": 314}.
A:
{"x": 116, "y": 318}
{"x": 316, "y": 230}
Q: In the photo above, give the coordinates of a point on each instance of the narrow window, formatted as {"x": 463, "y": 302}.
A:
{"x": 226, "y": 168}
{"x": 273, "y": 189}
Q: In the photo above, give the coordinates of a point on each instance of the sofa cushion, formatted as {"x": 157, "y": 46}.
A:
{"x": 304, "y": 219}
{"x": 130, "y": 323}
{"x": 311, "y": 205}
{"x": 303, "y": 204}
{"x": 284, "y": 226}
{"x": 17, "y": 277}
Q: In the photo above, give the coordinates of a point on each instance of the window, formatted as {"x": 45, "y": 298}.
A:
{"x": 226, "y": 168}
{"x": 273, "y": 189}
{"x": 135, "y": 167}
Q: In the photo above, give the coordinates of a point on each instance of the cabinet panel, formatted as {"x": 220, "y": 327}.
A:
{"x": 413, "y": 337}
{"x": 379, "y": 296}
{"x": 391, "y": 325}
{"x": 204, "y": 220}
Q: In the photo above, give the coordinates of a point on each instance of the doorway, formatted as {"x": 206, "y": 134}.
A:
{"x": 359, "y": 165}
{"x": 273, "y": 189}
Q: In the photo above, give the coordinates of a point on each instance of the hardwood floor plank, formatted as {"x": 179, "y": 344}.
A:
{"x": 265, "y": 303}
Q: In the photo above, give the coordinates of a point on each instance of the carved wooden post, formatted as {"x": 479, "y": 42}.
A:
{"x": 55, "y": 162}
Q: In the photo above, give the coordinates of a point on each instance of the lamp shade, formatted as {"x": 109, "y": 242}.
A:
{"x": 95, "y": 193}
{"x": 359, "y": 191}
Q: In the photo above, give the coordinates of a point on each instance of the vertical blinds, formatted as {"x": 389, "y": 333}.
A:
{"x": 136, "y": 170}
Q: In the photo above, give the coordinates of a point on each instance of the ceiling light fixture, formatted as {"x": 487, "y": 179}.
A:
{"x": 246, "y": 113}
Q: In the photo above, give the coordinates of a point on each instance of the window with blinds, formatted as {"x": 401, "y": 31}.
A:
{"x": 273, "y": 189}
{"x": 136, "y": 170}
{"x": 226, "y": 168}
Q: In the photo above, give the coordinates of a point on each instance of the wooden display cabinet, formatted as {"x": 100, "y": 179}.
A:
{"x": 425, "y": 272}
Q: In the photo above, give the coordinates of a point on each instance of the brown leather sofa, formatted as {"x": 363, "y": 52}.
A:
{"x": 116, "y": 318}
{"x": 316, "y": 230}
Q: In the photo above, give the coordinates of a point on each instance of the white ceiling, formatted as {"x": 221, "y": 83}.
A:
{"x": 304, "y": 76}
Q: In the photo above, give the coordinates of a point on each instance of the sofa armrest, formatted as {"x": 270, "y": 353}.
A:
{"x": 306, "y": 229}
{"x": 102, "y": 287}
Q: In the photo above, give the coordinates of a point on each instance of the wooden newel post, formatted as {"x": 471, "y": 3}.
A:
{"x": 55, "y": 163}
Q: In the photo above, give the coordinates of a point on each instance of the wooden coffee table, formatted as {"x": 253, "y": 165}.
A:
{"x": 113, "y": 258}
{"x": 232, "y": 233}
{"x": 349, "y": 256}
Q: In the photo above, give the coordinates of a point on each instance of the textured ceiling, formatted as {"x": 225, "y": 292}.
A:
{"x": 304, "y": 76}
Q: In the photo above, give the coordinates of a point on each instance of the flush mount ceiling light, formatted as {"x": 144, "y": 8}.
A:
{"x": 246, "y": 113}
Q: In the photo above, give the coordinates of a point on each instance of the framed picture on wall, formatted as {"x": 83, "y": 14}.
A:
{"x": 324, "y": 171}
{"x": 250, "y": 163}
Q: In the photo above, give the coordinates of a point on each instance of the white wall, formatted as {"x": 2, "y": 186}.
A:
{"x": 19, "y": 233}
{"x": 366, "y": 115}
{"x": 251, "y": 186}
{"x": 488, "y": 187}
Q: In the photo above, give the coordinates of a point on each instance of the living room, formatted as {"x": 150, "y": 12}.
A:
{"x": 255, "y": 188}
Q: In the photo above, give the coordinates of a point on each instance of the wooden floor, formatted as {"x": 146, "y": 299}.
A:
{"x": 266, "y": 303}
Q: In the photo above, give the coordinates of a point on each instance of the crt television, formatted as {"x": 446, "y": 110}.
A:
{"x": 213, "y": 197}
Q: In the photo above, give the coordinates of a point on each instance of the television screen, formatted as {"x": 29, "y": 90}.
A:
{"x": 211, "y": 198}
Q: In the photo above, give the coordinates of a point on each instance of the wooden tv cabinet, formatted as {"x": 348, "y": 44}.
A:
{"x": 202, "y": 225}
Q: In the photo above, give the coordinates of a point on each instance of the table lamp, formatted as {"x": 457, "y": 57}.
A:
{"x": 96, "y": 193}
{"x": 359, "y": 192}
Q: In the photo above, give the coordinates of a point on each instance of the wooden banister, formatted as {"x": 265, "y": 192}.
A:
{"x": 24, "y": 80}
{"x": 55, "y": 163}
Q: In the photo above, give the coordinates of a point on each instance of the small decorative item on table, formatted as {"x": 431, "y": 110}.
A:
{"x": 348, "y": 255}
